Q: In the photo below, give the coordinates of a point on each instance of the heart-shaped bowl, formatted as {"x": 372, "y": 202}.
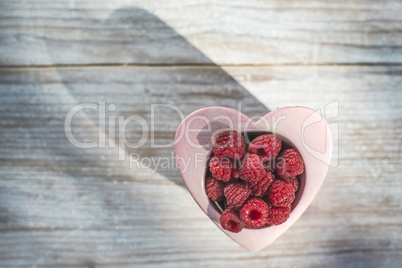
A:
{"x": 301, "y": 128}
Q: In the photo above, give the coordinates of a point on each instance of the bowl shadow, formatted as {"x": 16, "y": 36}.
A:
{"x": 177, "y": 73}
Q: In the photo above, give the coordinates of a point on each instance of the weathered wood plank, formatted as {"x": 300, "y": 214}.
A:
{"x": 65, "y": 206}
{"x": 173, "y": 32}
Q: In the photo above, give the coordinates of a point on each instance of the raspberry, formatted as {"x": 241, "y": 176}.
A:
{"x": 290, "y": 164}
{"x": 278, "y": 215}
{"x": 266, "y": 147}
{"x": 236, "y": 194}
{"x": 230, "y": 221}
{"x": 252, "y": 168}
{"x": 230, "y": 144}
{"x": 235, "y": 173}
{"x": 292, "y": 181}
{"x": 254, "y": 213}
{"x": 214, "y": 188}
{"x": 260, "y": 187}
{"x": 236, "y": 168}
{"x": 221, "y": 169}
{"x": 281, "y": 194}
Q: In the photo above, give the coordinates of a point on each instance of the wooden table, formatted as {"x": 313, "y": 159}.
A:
{"x": 65, "y": 206}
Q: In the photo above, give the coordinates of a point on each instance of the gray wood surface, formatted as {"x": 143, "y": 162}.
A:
{"x": 63, "y": 206}
{"x": 230, "y": 32}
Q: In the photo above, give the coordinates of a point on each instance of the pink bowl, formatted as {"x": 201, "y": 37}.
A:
{"x": 302, "y": 127}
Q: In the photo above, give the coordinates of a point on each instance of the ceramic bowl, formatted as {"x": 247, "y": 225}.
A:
{"x": 304, "y": 129}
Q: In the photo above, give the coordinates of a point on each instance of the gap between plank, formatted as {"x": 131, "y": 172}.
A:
{"x": 189, "y": 65}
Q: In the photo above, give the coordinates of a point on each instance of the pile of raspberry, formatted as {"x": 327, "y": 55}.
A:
{"x": 255, "y": 183}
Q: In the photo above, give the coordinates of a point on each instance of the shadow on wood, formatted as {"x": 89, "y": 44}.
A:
{"x": 175, "y": 91}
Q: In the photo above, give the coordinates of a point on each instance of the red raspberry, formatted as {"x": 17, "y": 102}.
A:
{"x": 278, "y": 215}
{"x": 260, "y": 187}
{"x": 235, "y": 174}
{"x": 214, "y": 188}
{"x": 266, "y": 147}
{"x": 230, "y": 221}
{"x": 221, "y": 169}
{"x": 281, "y": 194}
{"x": 236, "y": 194}
{"x": 292, "y": 181}
{"x": 254, "y": 213}
{"x": 252, "y": 168}
{"x": 236, "y": 169}
{"x": 290, "y": 164}
{"x": 229, "y": 143}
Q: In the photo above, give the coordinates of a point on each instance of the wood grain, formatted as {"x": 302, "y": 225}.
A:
{"x": 227, "y": 32}
{"x": 63, "y": 206}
